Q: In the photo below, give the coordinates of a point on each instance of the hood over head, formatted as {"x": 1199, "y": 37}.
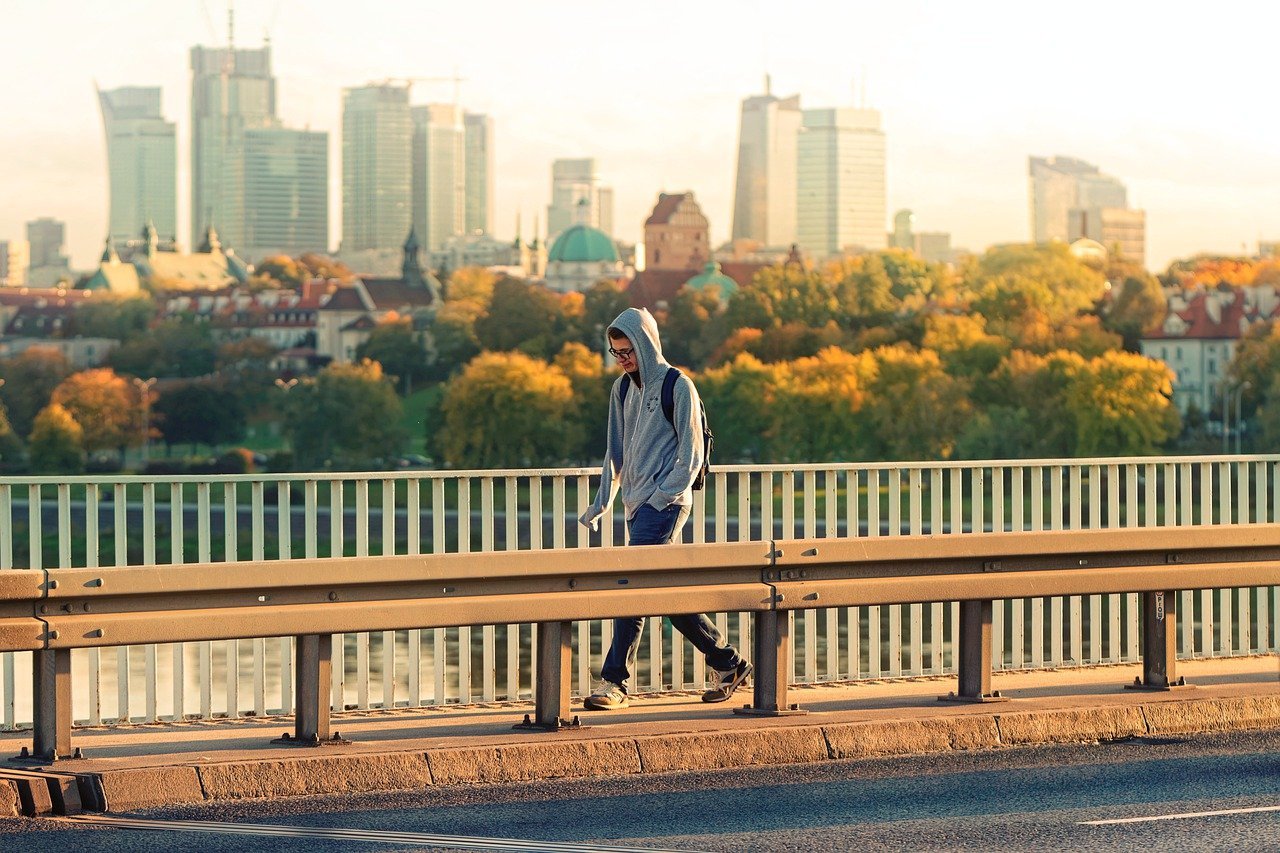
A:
{"x": 642, "y": 330}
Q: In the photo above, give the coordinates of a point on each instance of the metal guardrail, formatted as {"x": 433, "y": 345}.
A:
{"x": 53, "y": 611}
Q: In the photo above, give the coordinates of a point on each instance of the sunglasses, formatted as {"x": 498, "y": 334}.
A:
{"x": 622, "y": 353}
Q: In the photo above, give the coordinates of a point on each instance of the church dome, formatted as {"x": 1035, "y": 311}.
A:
{"x": 582, "y": 243}
{"x": 711, "y": 275}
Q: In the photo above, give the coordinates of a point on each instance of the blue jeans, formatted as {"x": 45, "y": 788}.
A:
{"x": 653, "y": 527}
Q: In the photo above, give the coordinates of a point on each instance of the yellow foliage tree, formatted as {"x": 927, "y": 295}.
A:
{"x": 506, "y": 409}
{"x": 106, "y": 406}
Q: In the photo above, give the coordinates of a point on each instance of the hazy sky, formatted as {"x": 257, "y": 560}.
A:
{"x": 1176, "y": 101}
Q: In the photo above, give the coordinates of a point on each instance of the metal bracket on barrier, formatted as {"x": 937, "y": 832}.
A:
{"x": 561, "y": 724}
{"x": 287, "y": 739}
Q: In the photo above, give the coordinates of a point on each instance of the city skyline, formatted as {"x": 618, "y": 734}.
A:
{"x": 966, "y": 96}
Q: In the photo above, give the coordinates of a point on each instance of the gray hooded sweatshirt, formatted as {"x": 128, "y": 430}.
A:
{"x": 646, "y": 458}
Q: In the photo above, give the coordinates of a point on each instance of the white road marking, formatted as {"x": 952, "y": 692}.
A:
{"x": 459, "y": 842}
{"x": 1181, "y": 816}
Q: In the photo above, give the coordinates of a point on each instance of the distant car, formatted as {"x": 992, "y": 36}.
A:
{"x": 413, "y": 460}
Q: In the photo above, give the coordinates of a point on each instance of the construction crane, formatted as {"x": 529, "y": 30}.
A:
{"x": 455, "y": 79}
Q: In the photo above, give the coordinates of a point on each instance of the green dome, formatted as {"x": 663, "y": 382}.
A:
{"x": 711, "y": 275}
{"x": 583, "y": 243}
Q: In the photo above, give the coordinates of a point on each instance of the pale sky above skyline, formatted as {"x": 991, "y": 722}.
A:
{"x": 1175, "y": 101}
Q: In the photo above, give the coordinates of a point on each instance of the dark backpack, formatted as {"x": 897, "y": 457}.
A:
{"x": 669, "y": 409}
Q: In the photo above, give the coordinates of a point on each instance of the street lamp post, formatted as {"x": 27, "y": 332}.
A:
{"x": 144, "y": 393}
{"x": 286, "y": 386}
{"x": 1244, "y": 386}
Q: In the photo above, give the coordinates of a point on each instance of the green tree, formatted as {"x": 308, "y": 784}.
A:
{"x": 118, "y": 318}
{"x": 963, "y": 344}
{"x": 107, "y": 407}
{"x": 1021, "y": 289}
{"x": 29, "y": 380}
{"x": 395, "y": 345}
{"x": 508, "y": 410}
{"x": 12, "y": 451}
{"x": 55, "y": 444}
{"x": 1136, "y": 304}
{"x": 200, "y": 413}
{"x": 785, "y": 293}
{"x": 523, "y": 316}
{"x": 604, "y": 301}
{"x": 176, "y": 347}
{"x": 347, "y": 414}
{"x": 453, "y": 336}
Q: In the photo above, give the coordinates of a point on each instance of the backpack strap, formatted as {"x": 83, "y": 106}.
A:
{"x": 669, "y": 394}
{"x": 624, "y": 388}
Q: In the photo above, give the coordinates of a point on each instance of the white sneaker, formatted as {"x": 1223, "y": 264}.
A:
{"x": 606, "y": 697}
{"x": 729, "y": 682}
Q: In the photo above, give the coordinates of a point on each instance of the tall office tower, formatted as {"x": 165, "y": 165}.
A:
{"x": 15, "y": 259}
{"x": 480, "y": 171}
{"x": 142, "y": 162}
{"x": 286, "y": 192}
{"x": 764, "y": 199}
{"x": 377, "y": 167}
{"x": 45, "y": 237}
{"x": 1060, "y": 184}
{"x": 577, "y": 197}
{"x": 439, "y": 174}
{"x": 604, "y": 209}
{"x": 904, "y": 230}
{"x": 840, "y": 182}
{"x": 232, "y": 91}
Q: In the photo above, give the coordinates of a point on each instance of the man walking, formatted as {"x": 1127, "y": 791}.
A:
{"x": 653, "y": 462}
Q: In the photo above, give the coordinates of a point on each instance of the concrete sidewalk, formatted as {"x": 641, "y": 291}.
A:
{"x": 164, "y": 764}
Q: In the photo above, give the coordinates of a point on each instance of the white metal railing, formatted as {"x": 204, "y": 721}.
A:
{"x": 91, "y": 521}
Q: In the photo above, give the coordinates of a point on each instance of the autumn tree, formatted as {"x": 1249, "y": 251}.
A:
{"x": 472, "y": 284}
{"x": 604, "y": 301}
{"x": 1135, "y": 304}
{"x": 1023, "y": 290}
{"x": 55, "y": 445}
{"x": 815, "y": 407}
{"x": 1122, "y": 406}
{"x": 348, "y": 414}
{"x": 107, "y": 407}
{"x": 507, "y": 409}
{"x": 29, "y": 380}
{"x": 591, "y": 385}
{"x": 914, "y": 409}
{"x": 739, "y": 399}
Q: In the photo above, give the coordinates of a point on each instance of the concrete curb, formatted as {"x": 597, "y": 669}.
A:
{"x": 127, "y": 789}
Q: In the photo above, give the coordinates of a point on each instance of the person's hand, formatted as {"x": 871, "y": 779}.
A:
{"x": 591, "y": 518}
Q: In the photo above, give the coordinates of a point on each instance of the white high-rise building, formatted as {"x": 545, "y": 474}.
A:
{"x": 142, "y": 162}
{"x": 840, "y": 179}
{"x": 577, "y": 197}
{"x": 377, "y": 168}
{"x": 1062, "y": 184}
{"x": 480, "y": 171}
{"x": 232, "y": 91}
{"x": 764, "y": 201}
{"x": 286, "y": 193}
{"x": 439, "y": 174}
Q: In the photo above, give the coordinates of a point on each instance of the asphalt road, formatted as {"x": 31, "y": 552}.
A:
{"x": 1027, "y": 799}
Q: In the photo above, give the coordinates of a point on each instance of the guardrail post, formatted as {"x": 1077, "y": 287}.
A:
{"x": 772, "y": 666}
{"x": 312, "y": 679}
{"x": 551, "y": 693}
{"x": 1159, "y": 643}
{"x": 51, "y": 689}
{"x": 975, "y": 651}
